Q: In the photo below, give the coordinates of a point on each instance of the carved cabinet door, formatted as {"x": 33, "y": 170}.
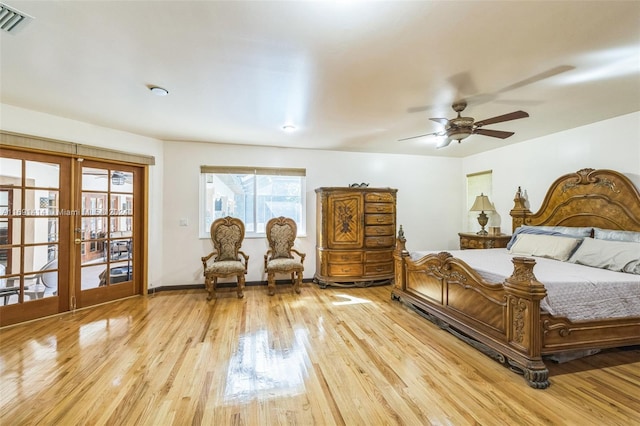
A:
{"x": 345, "y": 227}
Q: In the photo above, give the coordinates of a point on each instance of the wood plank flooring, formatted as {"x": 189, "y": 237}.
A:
{"x": 330, "y": 356}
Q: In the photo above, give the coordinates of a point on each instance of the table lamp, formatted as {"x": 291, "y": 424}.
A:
{"x": 482, "y": 204}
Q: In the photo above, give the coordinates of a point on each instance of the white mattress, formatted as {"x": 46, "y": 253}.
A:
{"x": 574, "y": 291}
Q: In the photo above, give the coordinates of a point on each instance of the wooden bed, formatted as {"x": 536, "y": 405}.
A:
{"x": 504, "y": 320}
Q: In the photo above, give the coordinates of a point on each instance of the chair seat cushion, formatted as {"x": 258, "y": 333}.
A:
{"x": 225, "y": 267}
{"x": 285, "y": 265}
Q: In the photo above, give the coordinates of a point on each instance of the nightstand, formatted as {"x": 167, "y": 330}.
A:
{"x": 475, "y": 241}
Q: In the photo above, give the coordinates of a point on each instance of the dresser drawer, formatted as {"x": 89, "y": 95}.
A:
{"x": 375, "y": 230}
{"x": 378, "y": 208}
{"x": 345, "y": 269}
{"x": 378, "y": 269}
{"x": 379, "y": 197}
{"x": 378, "y": 219}
{"x": 379, "y": 242}
{"x": 378, "y": 256}
{"x": 345, "y": 256}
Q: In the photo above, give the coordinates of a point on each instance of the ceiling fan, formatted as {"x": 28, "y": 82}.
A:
{"x": 459, "y": 128}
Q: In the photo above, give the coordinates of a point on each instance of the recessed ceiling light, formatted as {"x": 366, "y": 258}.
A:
{"x": 288, "y": 127}
{"x": 158, "y": 91}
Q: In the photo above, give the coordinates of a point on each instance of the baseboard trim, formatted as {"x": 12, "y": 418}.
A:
{"x": 220, "y": 285}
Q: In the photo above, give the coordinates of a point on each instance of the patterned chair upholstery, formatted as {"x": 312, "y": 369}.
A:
{"x": 228, "y": 260}
{"x": 279, "y": 259}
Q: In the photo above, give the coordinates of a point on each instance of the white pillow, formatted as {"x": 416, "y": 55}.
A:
{"x": 554, "y": 247}
{"x": 621, "y": 256}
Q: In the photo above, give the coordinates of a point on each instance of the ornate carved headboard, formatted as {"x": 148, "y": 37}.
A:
{"x": 598, "y": 198}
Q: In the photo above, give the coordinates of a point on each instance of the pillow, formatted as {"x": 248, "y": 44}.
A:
{"x": 567, "y": 231}
{"x": 621, "y": 256}
{"x": 552, "y": 246}
{"x": 614, "y": 234}
{"x": 571, "y": 231}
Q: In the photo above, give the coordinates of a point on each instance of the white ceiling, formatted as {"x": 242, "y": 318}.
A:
{"x": 347, "y": 74}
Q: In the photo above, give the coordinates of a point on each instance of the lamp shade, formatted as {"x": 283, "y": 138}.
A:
{"x": 482, "y": 204}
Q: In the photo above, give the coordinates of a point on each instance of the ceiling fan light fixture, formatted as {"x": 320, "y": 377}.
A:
{"x": 458, "y": 134}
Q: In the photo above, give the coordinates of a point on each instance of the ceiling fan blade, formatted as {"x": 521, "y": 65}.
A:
{"x": 499, "y": 119}
{"x": 443, "y": 143}
{"x": 420, "y": 108}
{"x": 442, "y": 121}
{"x": 493, "y": 133}
{"x": 541, "y": 76}
{"x": 420, "y": 136}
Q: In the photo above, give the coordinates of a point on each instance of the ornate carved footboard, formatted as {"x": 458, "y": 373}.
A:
{"x": 502, "y": 320}
{"x": 505, "y": 320}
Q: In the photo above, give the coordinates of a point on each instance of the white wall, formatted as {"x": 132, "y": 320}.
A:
{"x": 427, "y": 203}
{"x": 536, "y": 164}
{"x": 19, "y": 120}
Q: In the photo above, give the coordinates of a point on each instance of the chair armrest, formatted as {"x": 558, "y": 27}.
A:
{"x": 302, "y": 255}
{"x": 206, "y": 258}
{"x": 246, "y": 260}
{"x": 267, "y": 257}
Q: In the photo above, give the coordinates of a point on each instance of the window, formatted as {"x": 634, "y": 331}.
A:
{"x": 252, "y": 194}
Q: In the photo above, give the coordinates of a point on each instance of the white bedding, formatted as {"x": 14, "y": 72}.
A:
{"x": 574, "y": 291}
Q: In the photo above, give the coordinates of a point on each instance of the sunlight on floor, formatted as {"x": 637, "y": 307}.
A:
{"x": 351, "y": 300}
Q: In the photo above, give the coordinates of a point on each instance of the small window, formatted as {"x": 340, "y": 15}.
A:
{"x": 253, "y": 195}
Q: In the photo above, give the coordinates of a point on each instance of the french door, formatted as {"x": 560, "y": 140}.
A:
{"x": 107, "y": 232}
{"x": 70, "y": 233}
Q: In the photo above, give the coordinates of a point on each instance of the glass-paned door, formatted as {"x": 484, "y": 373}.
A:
{"x": 71, "y": 233}
{"x": 35, "y": 218}
{"x": 108, "y": 232}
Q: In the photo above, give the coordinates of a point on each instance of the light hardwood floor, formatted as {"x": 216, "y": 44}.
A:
{"x": 324, "y": 357}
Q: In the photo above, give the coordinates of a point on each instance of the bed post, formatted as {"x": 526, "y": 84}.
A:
{"x": 520, "y": 211}
{"x": 398, "y": 254}
{"x": 523, "y": 329}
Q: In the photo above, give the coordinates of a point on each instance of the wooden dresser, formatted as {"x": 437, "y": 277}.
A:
{"x": 355, "y": 236}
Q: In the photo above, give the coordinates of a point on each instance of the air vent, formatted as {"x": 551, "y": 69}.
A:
{"x": 12, "y": 20}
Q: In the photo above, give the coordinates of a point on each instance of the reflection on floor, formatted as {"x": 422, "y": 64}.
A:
{"x": 263, "y": 368}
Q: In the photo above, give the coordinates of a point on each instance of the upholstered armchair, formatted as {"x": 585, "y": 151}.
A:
{"x": 279, "y": 259}
{"x": 226, "y": 260}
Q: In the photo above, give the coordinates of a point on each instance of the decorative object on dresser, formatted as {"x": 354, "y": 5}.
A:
{"x": 355, "y": 236}
{"x": 279, "y": 259}
{"x": 475, "y": 241}
{"x": 482, "y": 204}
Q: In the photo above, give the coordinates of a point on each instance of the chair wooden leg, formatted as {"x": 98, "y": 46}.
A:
{"x": 298, "y": 282}
{"x": 271, "y": 283}
{"x": 207, "y": 286}
{"x": 214, "y": 285}
{"x": 240, "y": 286}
